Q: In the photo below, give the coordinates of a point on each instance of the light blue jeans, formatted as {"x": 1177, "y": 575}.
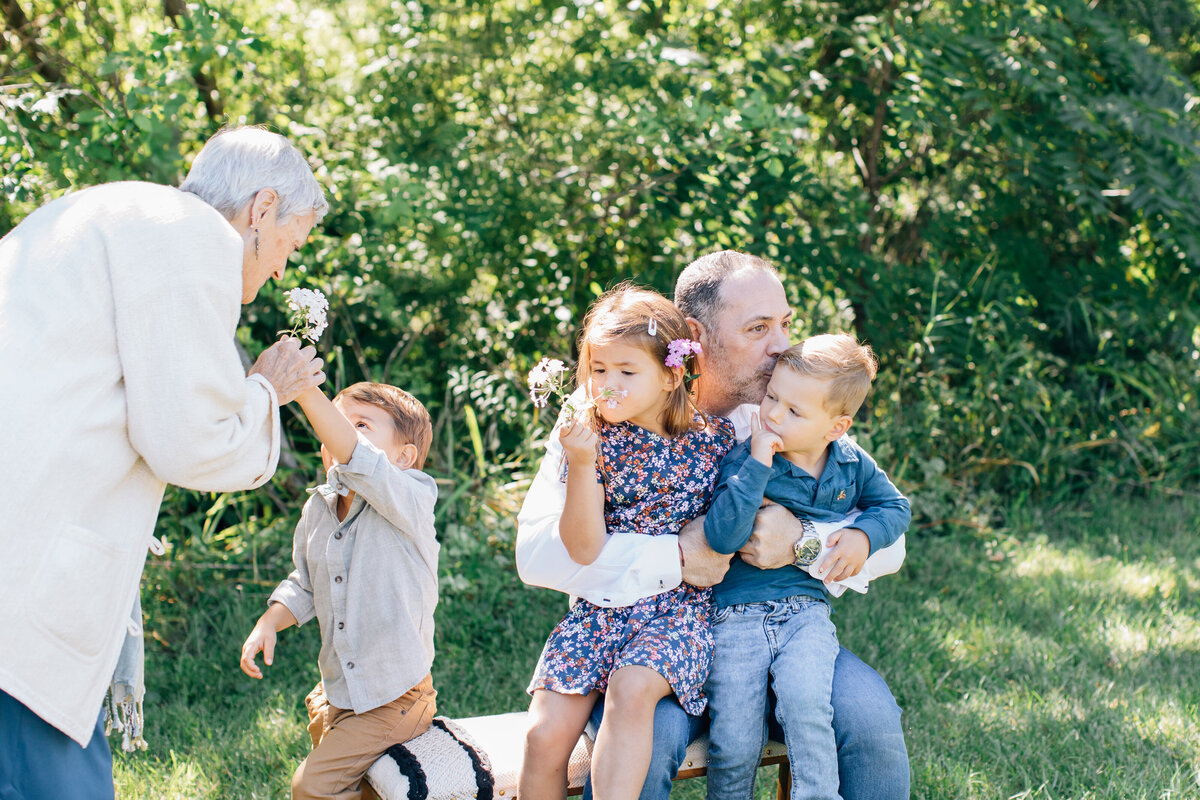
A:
{"x": 789, "y": 645}
{"x": 872, "y": 758}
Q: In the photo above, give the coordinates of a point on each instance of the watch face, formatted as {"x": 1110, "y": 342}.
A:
{"x": 807, "y": 550}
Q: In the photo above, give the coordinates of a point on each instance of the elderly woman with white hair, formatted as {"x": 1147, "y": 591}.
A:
{"x": 118, "y": 308}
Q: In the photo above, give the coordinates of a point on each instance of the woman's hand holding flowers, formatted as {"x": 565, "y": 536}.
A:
{"x": 290, "y": 368}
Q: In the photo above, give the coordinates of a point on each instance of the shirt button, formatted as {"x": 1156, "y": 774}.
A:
{"x": 338, "y": 579}
{"x": 341, "y": 625}
{"x": 350, "y": 665}
{"x": 337, "y": 535}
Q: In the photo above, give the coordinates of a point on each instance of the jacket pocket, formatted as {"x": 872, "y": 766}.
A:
{"x": 74, "y": 589}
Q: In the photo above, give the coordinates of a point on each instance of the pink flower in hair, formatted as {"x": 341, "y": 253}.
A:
{"x": 680, "y": 349}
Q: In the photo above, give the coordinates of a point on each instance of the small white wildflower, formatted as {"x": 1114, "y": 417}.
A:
{"x": 613, "y": 397}
{"x": 547, "y": 378}
{"x": 309, "y": 308}
{"x": 545, "y": 373}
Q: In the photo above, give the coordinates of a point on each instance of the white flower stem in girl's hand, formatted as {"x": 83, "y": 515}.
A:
{"x": 309, "y": 307}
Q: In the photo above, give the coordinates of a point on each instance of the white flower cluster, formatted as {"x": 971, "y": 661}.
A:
{"x": 549, "y": 378}
{"x": 546, "y": 379}
{"x": 309, "y": 307}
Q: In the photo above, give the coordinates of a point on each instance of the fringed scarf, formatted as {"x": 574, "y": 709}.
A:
{"x": 123, "y": 708}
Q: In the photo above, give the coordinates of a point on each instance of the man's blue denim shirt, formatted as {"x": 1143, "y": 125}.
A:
{"x": 851, "y": 479}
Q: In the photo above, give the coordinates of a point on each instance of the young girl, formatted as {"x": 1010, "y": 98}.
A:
{"x": 639, "y": 459}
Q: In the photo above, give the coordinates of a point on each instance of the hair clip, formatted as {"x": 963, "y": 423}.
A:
{"x": 652, "y": 327}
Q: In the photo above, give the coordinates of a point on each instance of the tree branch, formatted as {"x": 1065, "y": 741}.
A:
{"x": 27, "y": 34}
{"x": 176, "y": 11}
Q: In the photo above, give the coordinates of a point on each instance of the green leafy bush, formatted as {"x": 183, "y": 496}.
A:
{"x": 1003, "y": 198}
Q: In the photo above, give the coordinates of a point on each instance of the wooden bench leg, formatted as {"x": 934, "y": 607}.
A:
{"x": 783, "y": 788}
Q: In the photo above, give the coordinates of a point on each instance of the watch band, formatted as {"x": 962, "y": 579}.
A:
{"x": 808, "y": 547}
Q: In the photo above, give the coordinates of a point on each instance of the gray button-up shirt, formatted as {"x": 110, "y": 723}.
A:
{"x": 370, "y": 580}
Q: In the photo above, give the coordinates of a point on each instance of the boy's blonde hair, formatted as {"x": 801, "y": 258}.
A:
{"x": 838, "y": 358}
{"x": 409, "y": 417}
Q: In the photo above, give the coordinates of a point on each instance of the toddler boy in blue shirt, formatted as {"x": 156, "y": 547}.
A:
{"x": 773, "y": 625}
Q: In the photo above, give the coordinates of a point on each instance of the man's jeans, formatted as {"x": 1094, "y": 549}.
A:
{"x": 872, "y": 759}
{"x": 790, "y": 645}
{"x": 39, "y": 762}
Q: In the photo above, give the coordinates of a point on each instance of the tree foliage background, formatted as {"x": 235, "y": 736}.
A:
{"x": 1003, "y": 198}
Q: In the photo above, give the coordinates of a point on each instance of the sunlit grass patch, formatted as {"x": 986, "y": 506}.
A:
{"x": 1066, "y": 668}
{"x": 175, "y": 778}
{"x": 1061, "y": 563}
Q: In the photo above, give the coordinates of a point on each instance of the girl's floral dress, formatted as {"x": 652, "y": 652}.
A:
{"x": 652, "y": 485}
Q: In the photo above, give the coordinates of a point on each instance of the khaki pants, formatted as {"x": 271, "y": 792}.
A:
{"x": 345, "y": 744}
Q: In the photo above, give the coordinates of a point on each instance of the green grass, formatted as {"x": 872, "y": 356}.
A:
{"x": 1057, "y": 656}
{"x": 1060, "y": 658}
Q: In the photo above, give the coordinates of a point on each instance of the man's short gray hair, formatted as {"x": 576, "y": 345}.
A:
{"x": 237, "y": 163}
{"x": 698, "y": 289}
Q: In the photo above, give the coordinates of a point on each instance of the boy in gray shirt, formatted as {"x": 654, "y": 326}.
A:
{"x": 365, "y": 554}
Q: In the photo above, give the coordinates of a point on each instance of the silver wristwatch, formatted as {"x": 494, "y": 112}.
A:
{"x": 808, "y": 546}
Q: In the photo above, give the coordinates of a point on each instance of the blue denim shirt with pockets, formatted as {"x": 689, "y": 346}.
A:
{"x": 851, "y": 479}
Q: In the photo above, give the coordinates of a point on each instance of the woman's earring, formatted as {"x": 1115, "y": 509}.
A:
{"x": 256, "y": 244}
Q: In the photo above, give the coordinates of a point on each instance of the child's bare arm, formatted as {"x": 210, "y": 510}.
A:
{"x": 333, "y": 429}
{"x": 262, "y": 638}
{"x": 582, "y": 523}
